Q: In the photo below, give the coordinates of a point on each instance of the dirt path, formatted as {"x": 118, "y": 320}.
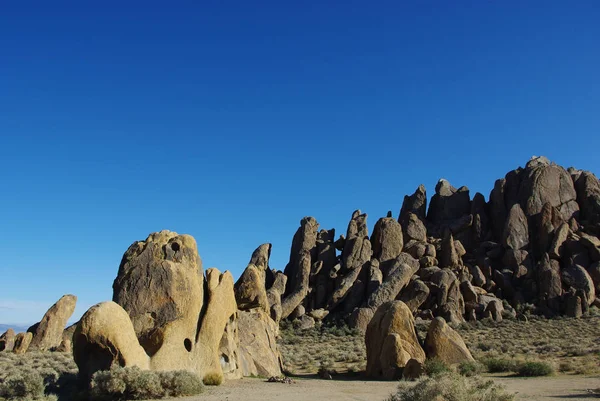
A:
{"x": 301, "y": 390}
{"x": 551, "y": 388}
{"x": 534, "y": 389}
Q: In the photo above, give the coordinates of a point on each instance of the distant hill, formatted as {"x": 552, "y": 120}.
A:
{"x": 17, "y": 329}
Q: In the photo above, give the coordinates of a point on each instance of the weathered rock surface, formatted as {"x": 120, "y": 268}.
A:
{"x": 391, "y": 341}
{"x": 274, "y": 295}
{"x": 516, "y": 230}
{"x": 392, "y": 285}
{"x": 258, "y": 353}
{"x": 302, "y": 253}
{"x": 160, "y": 285}
{"x": 550, "y": 285}
{"x": 48, "y": 332}
{"x": 545, "y": 182}
{"x": 415, "y": 203}
{"x": 250, "y": 289}
{"x": 387, "y": 240}
{"x": 445, "y": 344}
{"x": 66, "y": 342}
{"x": 22, "y": 341}
{"x": 7, "y": 341}
{"x": 588, "y": 197}
{"x": 448, "y": 203}
{"x": 414, "y": 294}
{"x": 413, "y": 370}
{"x": 161, "y": 318}
{"x": 445, "y": 293}
{"x": 105, "y": 337}
{"x": 414, "y": 228}
{"x": 579, "y": 279}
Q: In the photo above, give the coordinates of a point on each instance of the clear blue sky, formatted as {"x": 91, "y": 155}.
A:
{"x": 231, "y": 120}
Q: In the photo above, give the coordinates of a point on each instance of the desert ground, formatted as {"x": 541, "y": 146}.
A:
{"x": 564, "y": 387}
{"x": 569, "y": 345}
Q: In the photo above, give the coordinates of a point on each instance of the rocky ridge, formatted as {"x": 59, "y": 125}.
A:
{"x": 535, "y": 243}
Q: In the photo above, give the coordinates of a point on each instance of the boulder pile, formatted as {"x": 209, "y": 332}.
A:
{"x": 535, "y": 244}
{"x": 47, "y": 335}
{"x": 166, "y": 314}
{"x": 394, "y": 350}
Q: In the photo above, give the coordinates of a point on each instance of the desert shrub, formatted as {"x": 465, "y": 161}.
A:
{"x": 435, "y": 367}
{"x": 136, "y": 384}
{"x": 180, "y": 383}
{"x": 566, "y": 366}
{"x": 213, "y": 379}
{"x": 499, "y": 365}
{"x": 451, "y": 386}
{"x": 531, "y": 369}
{"x": 469, "y": 368}
{"x": 22, "y": 385}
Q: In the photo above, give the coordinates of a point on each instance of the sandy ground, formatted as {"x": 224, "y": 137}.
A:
{"x": 534, "y": 389}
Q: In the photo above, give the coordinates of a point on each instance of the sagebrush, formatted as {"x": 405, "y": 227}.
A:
{"x": 451, "y": 386}
{"x": 136, "y": 384}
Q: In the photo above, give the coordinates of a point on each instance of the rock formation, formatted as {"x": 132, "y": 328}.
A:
{"x": 47, "y": 334}
{"x": 258, "y": 353}
{"x": 7, "y": 341}
{"x": 22, "y": 341}
{"x": 391, "y": 341}
{"x": 257, "y": 320}
{"x": 536, "y": 241}
{"x": 445, "y": 344}
{"x": 250, "y": 289}
{"x": 165, "y": 314}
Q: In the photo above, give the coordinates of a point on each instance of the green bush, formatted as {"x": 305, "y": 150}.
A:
{"x": 469, "y": 368}
{"x": 500, "y": 365}
{"x": 435, "y": 367}
{"x": 136, "y": 384}
{"x": 451, "y": 386}
{"x": 532, "y": 369}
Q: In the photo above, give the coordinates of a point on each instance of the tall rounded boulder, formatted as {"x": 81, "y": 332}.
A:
{"x": 22, "y": 341}
{"x": 391, "y": 341}
{"x": 7, "y": 340}
{"x": 250, "y": 289}
{"x": 105, "y": 337}
{"x": 387, "y": 240}
{"x": 48, "y": 332}
{"x": 545, "y": 182}
{"x": 168, "y": 321}
{"x": 160, "y": 285}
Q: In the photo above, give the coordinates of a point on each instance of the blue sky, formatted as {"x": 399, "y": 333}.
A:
{"x": 231, "y": 120}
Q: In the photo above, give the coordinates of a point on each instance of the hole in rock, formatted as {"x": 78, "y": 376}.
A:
{"x": 175, "y": 246}
{"x": 187, "y": 344}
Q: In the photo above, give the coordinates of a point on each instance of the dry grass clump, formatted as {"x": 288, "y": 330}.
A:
{"x": 451, "y": 386}
{"x": 213, "y": 379}
{"x": 136, "y": 384}
{"x": 338, "y": 348}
